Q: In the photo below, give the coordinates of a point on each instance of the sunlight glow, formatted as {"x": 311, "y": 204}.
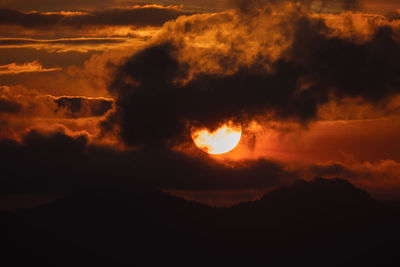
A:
{"x": 221, "y": 141}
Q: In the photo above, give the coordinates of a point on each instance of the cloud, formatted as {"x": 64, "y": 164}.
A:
{"x": 7, "y": 106}
{"x": 152, "y": 15}
{"x": 249, "y": 6}
{"x": 202, "y": 70}
{"x": 84, "y": 74}
{"x": 22, "y": 110}
{"x": 161, "y": 94}
{"x": 67, "y": 44}
{"x": 57, "y": 163}
{"x": 356, "y": 109}
{"x": 82, "y": 106}
{"x": 380, "y": 178}
{"x": 382, "y": 6}
{"x": 54, "y": 4}
{"x": 344, "y": 68}
{"x": 33, "y": 66}
{"x": 31, "y": 103}
{"x": 46, "y": 5}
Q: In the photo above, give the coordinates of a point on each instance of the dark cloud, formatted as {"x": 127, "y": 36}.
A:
{"x": 33, "y": 104}
{"x": 82, "y": 107}
{"x": 7, "y": 106}
{"x": 150, "y": 110}
{"x": 154, "y": 107}
{"x": 368, "y": 70}
{"x": 21, "y": 55}
{"x": 331, "y": 169}
{"x": 51, "y": 5}
{"x": 251, "y": 6}
{"x": 46, "y": 5}
{"x": 14, "y": 17}
{"x": 138, "y": 16}
{"x": 57, "y": 163}
{"x": 329, "y": 4}
{"x": 41, "y": 163}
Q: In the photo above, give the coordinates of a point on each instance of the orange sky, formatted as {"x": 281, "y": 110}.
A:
{"x": 50, "y": 61}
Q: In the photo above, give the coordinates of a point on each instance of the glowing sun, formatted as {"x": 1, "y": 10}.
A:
{"x": 220, "y": 141}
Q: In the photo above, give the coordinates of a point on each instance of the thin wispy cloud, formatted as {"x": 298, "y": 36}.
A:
{"x": 26, "y": 67}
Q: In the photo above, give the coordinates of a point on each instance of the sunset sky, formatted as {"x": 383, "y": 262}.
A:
{"x": 105, "y": 91}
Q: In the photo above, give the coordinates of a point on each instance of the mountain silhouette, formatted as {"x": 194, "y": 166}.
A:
{"x": 320, "y": 199}
{"x": 322, "y": 221}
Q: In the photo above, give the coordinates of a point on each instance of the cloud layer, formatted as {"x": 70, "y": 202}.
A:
{"x": 35, "y": 104}
{"x": 58, "y": 163}
{"x": 274, "y": 67}
{"x": 161, "y": 94}
{"x": 135, "y": 16}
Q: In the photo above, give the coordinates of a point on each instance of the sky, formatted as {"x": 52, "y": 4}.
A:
{"x": 109, "y": 91}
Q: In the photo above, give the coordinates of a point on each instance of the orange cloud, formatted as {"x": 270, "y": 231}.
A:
{"x": 33, "y": 66}
{"x": 380, "y": 178}
{"x": 22, "y": 110}
{"x": 63, "y": 45}
{"x": 381, "y": 6}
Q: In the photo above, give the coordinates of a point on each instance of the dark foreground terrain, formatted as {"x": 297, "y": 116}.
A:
{"x": 319, "y": 223}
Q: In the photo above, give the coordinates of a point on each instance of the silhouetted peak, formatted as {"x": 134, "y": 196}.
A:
{"x": 128, "y": 205}
{"x": 321, "y": 191}
{"x": 319, "y": 196}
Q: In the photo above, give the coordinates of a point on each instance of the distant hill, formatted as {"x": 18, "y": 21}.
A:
{"x": 307, "y": 222}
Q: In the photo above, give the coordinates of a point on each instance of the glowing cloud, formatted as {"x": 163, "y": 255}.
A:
{"x": 33, "y": 66}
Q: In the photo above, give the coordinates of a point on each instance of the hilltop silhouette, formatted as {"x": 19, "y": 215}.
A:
{"x": 322, "y": 221}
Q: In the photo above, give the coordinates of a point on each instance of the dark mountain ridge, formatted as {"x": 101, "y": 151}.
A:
{"x": 117, "y": 225}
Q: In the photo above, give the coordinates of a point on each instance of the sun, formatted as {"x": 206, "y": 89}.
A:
{"x": 220, "y": 141}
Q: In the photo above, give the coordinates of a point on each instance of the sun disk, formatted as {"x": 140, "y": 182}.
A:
{"x": 221, "y": 141}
